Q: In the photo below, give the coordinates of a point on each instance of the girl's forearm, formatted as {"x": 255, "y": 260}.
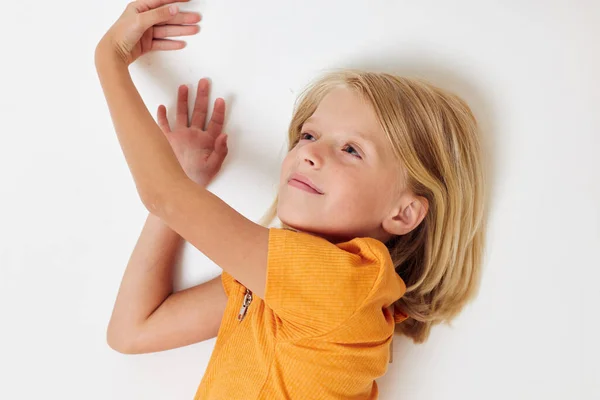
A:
{"x": 149, "y": 155}
{"x": 147, "y": 281}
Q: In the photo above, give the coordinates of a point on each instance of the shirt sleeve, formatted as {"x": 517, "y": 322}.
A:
{"x": 313, "y": 286}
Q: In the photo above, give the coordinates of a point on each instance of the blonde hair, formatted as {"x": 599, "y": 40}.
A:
{"x": 434, "y": 136}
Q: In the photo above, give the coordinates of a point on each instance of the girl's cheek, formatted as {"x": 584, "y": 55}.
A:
{"x": 289, "y": 157}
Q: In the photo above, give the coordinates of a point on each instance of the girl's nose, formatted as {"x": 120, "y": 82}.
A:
{"x": 314, "y": 154}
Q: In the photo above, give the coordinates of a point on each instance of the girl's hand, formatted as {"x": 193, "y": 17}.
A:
{"x": 143, "y": 26}
{"x": 200, "y": 151}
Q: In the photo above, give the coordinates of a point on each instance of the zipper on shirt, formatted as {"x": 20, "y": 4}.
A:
{"x": 245, "y": 305}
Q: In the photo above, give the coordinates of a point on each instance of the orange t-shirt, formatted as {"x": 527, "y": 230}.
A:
{"x": 322, "y": 331}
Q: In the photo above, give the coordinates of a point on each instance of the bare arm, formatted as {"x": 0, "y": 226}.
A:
{"x": 146, "y": 283}
{"x": 200, "y": 217}
{"x": 148, "y": 316}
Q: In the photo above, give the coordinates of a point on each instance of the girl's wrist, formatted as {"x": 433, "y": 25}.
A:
{"x": 105, "y": 54}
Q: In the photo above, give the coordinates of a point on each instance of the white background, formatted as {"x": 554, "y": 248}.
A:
{"x": 70, "y": 214}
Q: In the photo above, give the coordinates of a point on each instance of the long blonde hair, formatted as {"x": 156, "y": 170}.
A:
{"x": 434, "y": 135}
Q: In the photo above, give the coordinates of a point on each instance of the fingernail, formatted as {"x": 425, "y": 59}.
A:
{"x": 173, "y": 10}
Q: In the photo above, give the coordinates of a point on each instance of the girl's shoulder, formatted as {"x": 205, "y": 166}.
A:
{"x": 316, "y": 284}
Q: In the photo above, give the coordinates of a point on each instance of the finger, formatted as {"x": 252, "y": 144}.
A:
{"x": 181, "y": 119}
{"x": 162, "y": 120}
{"x": 165, "y": 44}
{"x": 183, "y": 18}
{"x": 146, "y": 41}
{"x": 201, "y": 104}
{"x": 161, "y": 32}
{"x": 215, "y": 126}
{"x": 158, "y": 3}
{"x": 156, "y": 16}
{"x": 218, "y": 155}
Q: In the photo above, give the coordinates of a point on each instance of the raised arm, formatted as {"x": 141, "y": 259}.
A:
{"x": 147, "y": 315}
{"x": 229, "y": 239}
{"x": 233, "y": 242}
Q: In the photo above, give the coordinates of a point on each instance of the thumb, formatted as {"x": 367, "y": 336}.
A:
{"x": 220, "y": 152}
{"x": 159, "y": 15}
{"x": 221, "y": 145}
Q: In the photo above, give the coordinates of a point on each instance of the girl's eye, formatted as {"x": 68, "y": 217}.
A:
{"x": 356, "y": 152}
{"x": 353, "y": 150}
{"x": 302, "y": 135}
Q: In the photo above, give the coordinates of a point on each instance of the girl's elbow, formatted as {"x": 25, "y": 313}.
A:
{"x": 120, "y": 339}
{"x": 153, "y": 201}
{"x": 156, "y": 199}
{"x": 115, "y": 343}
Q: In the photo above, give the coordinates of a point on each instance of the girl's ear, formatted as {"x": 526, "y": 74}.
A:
{"x": 409, "y": 213}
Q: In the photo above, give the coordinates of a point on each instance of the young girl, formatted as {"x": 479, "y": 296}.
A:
{"x": 380, "y": 197}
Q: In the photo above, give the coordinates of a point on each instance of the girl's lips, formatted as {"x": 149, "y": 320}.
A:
{"x": 302, "y": 186}
{"x": 304, "y": 180}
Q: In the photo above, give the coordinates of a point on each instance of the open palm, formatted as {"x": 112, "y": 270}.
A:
{"x": 200, "y": 150}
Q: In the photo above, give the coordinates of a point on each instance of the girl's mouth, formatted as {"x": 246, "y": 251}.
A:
{"x": 302, "y": 186}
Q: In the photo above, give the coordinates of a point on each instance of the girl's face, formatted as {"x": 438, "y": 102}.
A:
{"x": 344, "y": 152}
